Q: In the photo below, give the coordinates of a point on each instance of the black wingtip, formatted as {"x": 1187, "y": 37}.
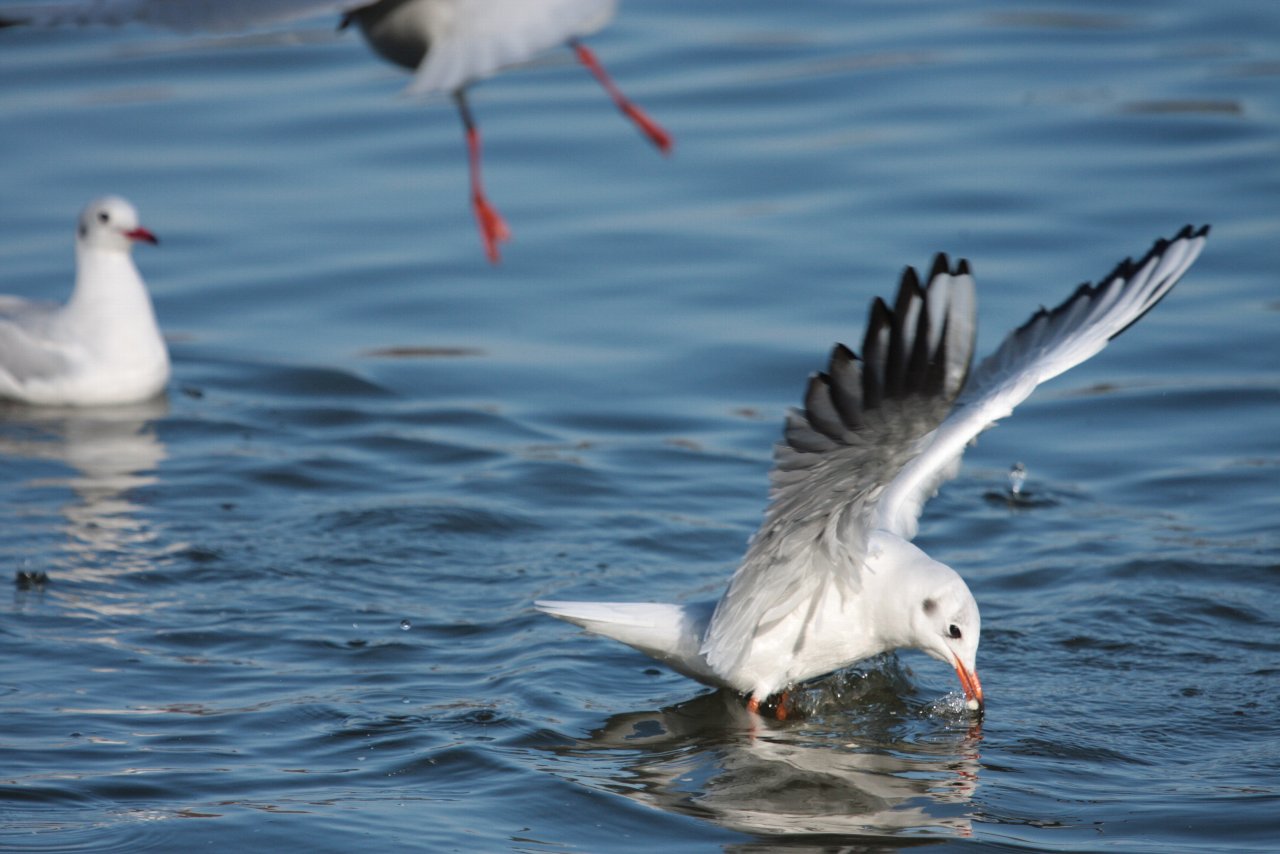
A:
{"x": 941, "y": 266}
{"x": 879, "y": 316}
{"x": 1187, "y": 232}
{"x": 816, "y": 392}
{"x": 844, "y": 384}
{"x": 1126, "y": 268}
{"x": 842, "y": 353}
{"x": 910, "y": 280}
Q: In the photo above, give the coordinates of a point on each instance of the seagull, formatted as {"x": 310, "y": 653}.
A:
{"x": 448, "y": 44}
{"x": 103, "y": 347}
{"x": 831, "y": 576}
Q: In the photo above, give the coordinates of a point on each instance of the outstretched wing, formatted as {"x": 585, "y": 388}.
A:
{"x": 1046, "y": 345}
{"x": 472, "y": 39}
{"x": 180, "y": 15}
{"x": 862, "y": 421}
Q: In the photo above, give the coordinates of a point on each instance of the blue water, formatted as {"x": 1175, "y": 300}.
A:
{"x": 290, "y": 607}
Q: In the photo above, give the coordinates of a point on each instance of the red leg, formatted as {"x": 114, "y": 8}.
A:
{"x": 648, "y": 126}
{"x": 493, "y": 229}
{"x": 780, "y": 711}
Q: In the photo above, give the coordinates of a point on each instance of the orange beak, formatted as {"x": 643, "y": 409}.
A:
{"x": 972, "y": 687}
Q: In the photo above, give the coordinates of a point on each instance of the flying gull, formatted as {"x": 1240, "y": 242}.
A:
{"x": 448, "y": 44}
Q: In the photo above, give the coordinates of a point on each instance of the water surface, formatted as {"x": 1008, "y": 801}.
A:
{"x": 290, "y": 607}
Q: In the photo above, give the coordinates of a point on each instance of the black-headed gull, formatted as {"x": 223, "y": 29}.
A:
{"x": 831, "y": 576}
{"x": 103, "y": 346}
{"x": 449, "y": 44}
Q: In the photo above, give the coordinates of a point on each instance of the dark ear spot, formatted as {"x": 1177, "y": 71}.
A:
{"x": 930, "y": 606}
{"x": 83, "y": 230}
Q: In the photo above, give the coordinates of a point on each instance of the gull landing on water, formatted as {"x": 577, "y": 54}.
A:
{"x": 103, "y": 346}
{"x": 831, "y": 577}
{"x": 449, "y": 44}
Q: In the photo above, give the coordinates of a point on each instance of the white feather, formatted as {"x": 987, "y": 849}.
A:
{"x": 830, "y": 577}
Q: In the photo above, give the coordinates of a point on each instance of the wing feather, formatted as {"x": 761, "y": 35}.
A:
{"x": 180, "y": 15}
{"x": 480, "y": 37}
{"x": 860, "y": 423}
{"x": 878, "y": 436}
{"x": 26, "y": 357}
{"x": 1050, "y": 342}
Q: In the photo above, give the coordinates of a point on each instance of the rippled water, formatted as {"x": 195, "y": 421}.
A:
{"x": 291, "y": 605}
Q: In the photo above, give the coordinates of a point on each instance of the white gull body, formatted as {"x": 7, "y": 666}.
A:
{"x": 831, "y": 576}
{"x": 103, "y": 346}
{"x": 448, "y": 44}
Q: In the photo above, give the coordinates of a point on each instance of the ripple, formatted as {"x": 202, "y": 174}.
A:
{"x": 370, "y": 424}
{"x": 453, "y": 519}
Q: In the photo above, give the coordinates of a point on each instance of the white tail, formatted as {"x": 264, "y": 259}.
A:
{"x": 669, "y": 633}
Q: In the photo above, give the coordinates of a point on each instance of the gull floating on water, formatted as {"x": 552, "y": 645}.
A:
{"x": 103, "y": 346}
{"x": 449, "y": 44}
{"x": 831, "y": 577}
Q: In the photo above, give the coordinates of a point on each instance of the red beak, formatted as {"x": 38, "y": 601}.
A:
{"x": 142, "y": 234}
{"x": 972, "y": 687}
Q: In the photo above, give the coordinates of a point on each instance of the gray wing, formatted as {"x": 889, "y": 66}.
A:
{"x": 862, "y": 421}
{"x": 26, "y": 356}
{"x": 1046, "y": 345}
{"x": 180, "y": 15}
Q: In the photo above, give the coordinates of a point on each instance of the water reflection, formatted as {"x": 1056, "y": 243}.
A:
{"x": 884, "y": 769}
{"x": 111, "y": 453}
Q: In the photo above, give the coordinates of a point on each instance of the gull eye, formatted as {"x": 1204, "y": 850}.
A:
{"x": 954, "y": 631}
{"x": 103, "y": 216}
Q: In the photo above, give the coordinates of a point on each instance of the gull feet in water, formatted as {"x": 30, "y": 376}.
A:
{"x": 776, "y": 706}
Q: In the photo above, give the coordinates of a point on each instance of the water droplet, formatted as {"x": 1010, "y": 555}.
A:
{"x": 1017, "y": 477}
{"x": 405, "y": 625}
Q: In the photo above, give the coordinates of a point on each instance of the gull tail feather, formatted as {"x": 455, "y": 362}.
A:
{"x": 670, "y": 633}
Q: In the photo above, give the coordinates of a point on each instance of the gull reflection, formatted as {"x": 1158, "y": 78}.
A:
{"x": 111, "y": 452}
{"x": 872, "y": 768}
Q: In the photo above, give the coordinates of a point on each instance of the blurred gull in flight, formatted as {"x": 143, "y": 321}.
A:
{"x": 831, "y": 577}
{"x": 449, "y": 44}
{"x": 103, "y": 346}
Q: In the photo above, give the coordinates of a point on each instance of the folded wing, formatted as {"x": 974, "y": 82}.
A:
{"x": 25, "y": 358}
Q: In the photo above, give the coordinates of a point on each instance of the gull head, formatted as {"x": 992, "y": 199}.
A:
{"x": 111, "y": 223}
{"x": 946, "y": 625}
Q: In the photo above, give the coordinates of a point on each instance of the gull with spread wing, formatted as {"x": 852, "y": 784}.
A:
{"x": 831, "y": 577}
{"x": 103, "y": 346}
{"x": 448, "y": 44}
